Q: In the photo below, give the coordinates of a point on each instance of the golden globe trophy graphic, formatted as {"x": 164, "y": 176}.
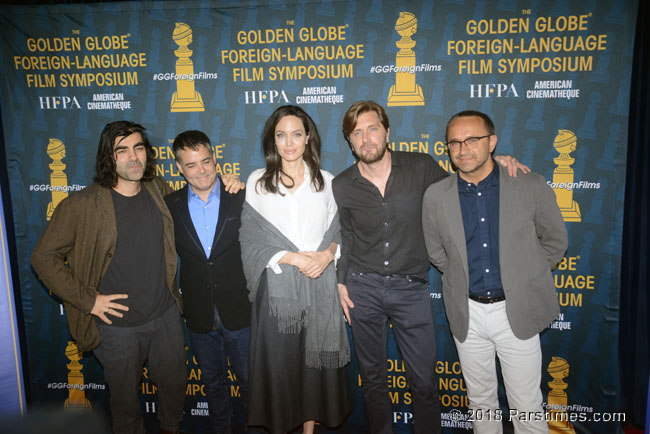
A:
{"x": 558, "y": 420}
{"x": 76, "y": 393}
{"x": 186, "y": 98}
{"x": 405, "y": 91}
{"x": 564, "y": 144}
{"x": 58, "y": 178}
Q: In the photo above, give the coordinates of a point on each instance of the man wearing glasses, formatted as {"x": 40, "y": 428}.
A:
{"x": 495, "y": 238}
{"x": 383, "y": 270}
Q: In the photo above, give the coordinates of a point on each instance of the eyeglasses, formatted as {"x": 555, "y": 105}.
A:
{"x": 470, "y": 142}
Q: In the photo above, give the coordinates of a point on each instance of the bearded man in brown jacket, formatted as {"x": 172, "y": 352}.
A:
{"x": 120, "y": 290}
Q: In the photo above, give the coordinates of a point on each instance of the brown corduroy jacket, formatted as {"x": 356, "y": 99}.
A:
{"x": 83, "y": 230}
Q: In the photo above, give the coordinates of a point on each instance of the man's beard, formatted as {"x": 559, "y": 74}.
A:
{"x": 369, "y": 160}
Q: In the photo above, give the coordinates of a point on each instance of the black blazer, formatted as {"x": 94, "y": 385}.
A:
{"x": 218, "y": 280}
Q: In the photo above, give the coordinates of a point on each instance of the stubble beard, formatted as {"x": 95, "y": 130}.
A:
{"x": 129, "y": 177}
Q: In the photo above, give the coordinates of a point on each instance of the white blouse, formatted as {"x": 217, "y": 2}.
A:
{"x": 303, "y": 217}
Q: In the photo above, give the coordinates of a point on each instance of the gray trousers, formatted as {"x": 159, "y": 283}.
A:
{"x": 122, "y": 352}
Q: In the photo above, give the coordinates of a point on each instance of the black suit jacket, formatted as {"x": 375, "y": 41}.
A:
{"x": 218, "y": 280}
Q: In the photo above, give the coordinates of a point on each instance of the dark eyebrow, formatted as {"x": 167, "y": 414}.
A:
{"x": 118, "y": 146}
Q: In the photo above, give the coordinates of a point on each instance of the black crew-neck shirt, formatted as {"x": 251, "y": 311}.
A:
{"x": 138, "y": 264}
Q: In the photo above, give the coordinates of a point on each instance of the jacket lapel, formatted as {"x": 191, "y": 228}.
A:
{"x": 186, "y": 219}
{"x": 224, "y": 207}
{"x": 451, "y": 203}
{"x": 105, "y": 202}
{"x": 508, "y": 191}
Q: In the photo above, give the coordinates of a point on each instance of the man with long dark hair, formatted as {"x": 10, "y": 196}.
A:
{"x": 119, "y": 290}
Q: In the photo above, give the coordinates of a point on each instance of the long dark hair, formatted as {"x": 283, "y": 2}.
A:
{"x": 273, "y": 174}
{"x": 106, "y": 176}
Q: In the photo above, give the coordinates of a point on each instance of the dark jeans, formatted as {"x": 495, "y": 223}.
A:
{"x": 210, "y": 350}
{"x": 122, "y": 352}
{"x": 406, "y": 304}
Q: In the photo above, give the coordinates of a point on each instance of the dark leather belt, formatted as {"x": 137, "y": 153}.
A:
{"x": 409, "y": 277}
{"x": 487, "y": 300}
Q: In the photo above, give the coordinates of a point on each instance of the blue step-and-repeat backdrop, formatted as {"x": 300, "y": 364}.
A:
{"x": 554, "y": 76}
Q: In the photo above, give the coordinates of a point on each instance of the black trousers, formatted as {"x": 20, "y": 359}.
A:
{"x": 122, "y": 352}
{"x": 406, "y": 304}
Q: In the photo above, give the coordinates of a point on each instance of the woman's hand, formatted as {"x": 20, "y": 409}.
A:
{"x": 296, "y": 259}
{"x": 311, "y": 264}
{"x": 318, "y": 262}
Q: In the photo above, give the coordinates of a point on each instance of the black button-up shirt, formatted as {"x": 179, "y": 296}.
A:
{"x": 383, "y": 235}
{"x": 479, "y": 206}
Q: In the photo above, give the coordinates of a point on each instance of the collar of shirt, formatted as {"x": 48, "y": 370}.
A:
{"x": 492, "y": 180}
{"x": 480, "y": 212}
{"x": 215, "y": 193}
{"x": 205, "y": 215}
{"x": 394, "y": 162}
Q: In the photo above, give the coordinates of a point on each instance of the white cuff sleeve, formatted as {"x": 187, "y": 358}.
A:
{"x": 337, "y": 254}
{"x": 273, "y": 262}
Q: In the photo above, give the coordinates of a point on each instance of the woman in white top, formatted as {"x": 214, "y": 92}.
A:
{"x": 289, "y": 238}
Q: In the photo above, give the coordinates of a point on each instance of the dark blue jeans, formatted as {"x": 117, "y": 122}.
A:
{"x": 211, "y": 350}
{"x": 405, "y": 302}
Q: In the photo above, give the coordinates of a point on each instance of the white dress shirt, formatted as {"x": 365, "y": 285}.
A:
{"x": 302, "y": 216}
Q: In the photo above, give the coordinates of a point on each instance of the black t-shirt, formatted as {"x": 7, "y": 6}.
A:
{"x": 138, "y": 264}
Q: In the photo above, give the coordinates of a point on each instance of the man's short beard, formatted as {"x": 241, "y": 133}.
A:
{"x": 377, "y": 157}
